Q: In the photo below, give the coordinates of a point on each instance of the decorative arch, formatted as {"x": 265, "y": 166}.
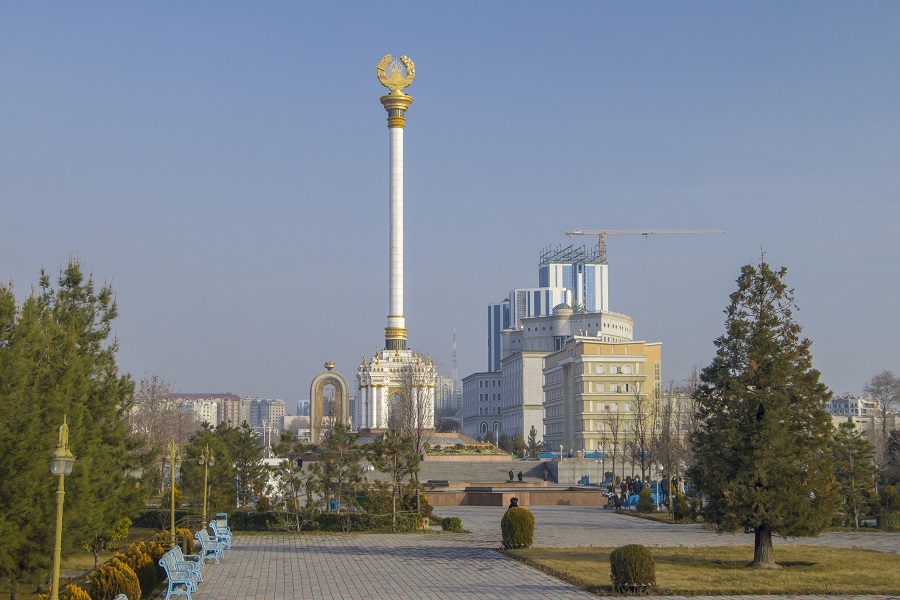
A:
{"x": 320, "y": 382}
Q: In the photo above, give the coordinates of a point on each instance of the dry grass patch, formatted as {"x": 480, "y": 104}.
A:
{"x": 722, "y": 570}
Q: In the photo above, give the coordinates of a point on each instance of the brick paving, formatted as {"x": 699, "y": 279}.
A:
{"x": 373, "y": 566}
{"x": 456, "y": 566}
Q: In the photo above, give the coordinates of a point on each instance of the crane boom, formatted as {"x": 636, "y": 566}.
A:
{"x": 602, "y": 233}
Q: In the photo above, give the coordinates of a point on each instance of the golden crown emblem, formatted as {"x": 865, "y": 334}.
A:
{"x": 396, "y": 74}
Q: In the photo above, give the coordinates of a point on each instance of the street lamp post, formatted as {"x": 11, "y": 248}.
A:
{"x": 174, "y": 463}
{"x": 61, "y": 462}
{"x": 207, "y": 460}
{"x": 602, "y": 462}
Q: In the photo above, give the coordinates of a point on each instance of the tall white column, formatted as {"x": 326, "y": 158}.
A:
{"x": 396, "y": 103}
{"x": 396, "y": 318}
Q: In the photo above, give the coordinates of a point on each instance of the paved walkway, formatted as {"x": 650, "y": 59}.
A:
{"x": 572, "y": 526}
{"x": 452, "y": 566}
{"x": 373, "y": 566}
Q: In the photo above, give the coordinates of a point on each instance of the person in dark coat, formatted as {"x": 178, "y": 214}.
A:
{"x": 510, "y": 474}
{"x": 520, "y": 475}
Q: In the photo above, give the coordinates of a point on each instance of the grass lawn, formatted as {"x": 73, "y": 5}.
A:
{"x": 721, "y": 570}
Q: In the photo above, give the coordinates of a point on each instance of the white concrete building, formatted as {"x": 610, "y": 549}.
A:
{"x": 852, "y": 406}
{"x": 206, "y": 411}
{"x": 209, "y": 408}
{"x": 525, "y": 348}
{"x": 482, "y": 405}
{"x": 522, "y": 398}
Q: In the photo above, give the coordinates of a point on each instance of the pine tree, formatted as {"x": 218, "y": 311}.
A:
{"x": 853, "y": 467}
{"x": 762, "y": 458}
{"x": 245, "y": 453}
{"x": 533, "y": 446}
{"x": 395, "y": 455}
{"x": 57, "y": 357}
{"x": 338, "y": 472}
{"x": 221, "y": 493}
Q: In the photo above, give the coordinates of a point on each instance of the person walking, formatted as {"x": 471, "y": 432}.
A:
{"x": 510, "y": 474}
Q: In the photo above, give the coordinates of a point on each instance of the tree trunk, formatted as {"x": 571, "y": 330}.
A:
{"x": 763, "y": 555}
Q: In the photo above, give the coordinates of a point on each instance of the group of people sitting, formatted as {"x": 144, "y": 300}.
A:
{"x": 618, "y": 496}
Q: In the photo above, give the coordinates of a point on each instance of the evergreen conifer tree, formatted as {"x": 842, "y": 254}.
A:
{"x": 853, "y": 468}
{"x": 57, "y": 357}
{"x": 394, "y": 454}
{"x": 762, "y": 456}
{"x": 338, "y": 472}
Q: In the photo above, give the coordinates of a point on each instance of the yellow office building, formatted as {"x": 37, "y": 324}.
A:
{"x": 601, "y": 395}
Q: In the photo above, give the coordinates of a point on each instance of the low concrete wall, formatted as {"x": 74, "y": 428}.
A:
{"x": 467, "y": 457}
{"x": 570, "y": 470}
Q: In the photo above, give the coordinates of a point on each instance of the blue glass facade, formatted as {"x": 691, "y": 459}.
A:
{"x": 590, "y": 287}
{"x": 498, "y": 320}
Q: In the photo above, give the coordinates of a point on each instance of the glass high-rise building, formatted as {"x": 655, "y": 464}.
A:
{"x": 572, "y": 275}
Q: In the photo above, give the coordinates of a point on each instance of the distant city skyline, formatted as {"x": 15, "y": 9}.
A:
{"x": 225, "y": 169}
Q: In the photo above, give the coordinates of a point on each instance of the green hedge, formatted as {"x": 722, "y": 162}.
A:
{"x": 326, "y": 521}
{"x": 157, "y": 518}
{"x": 269, "y": 520}
{"x": 362, "y": 522}
{"x": 891, "y": 521}
{"x": 252, "y": 520}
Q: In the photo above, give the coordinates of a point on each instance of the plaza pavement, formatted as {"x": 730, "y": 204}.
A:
{"x": 454, "y": 566}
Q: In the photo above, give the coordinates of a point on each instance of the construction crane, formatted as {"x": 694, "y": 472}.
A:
{"x": 602, "y": 233}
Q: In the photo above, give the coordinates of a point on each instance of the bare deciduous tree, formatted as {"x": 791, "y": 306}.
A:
{"x": 411, "y": 410}
{"x": 157, "y": 417}
{"x": 643, "y": 413}
{"x": 614, "y": 422}
{"x": 670, "y": 441}
{"x": 884, "y": 388}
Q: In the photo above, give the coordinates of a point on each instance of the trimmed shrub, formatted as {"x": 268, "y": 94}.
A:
{"x": 73, "y": 592}
{"x": 889, "y": 510}
{"x": 681, "y": 510}
{"x": 517, "y": 527}
{"x": 408, "y": 501}
{"x": 889, "y": 521}
{"x": 694, "y": 503}
{"x": 144, "y": 565}
{"x": 183, "y": 537}
{"x": 112, "y": 578}
{"x": 645, "y": 501}
{"x": 632, "y": 569}
{"x": 453, "y": 524}
{"x": 70, "y": 592}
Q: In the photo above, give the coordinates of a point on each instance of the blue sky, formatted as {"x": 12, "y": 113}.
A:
{"x": 224, "y": 165}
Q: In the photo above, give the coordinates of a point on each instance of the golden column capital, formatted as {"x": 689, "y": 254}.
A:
{"x": 396, "y": 104}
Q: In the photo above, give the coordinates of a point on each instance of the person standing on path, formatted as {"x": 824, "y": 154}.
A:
{"x": 510, "y": 474}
